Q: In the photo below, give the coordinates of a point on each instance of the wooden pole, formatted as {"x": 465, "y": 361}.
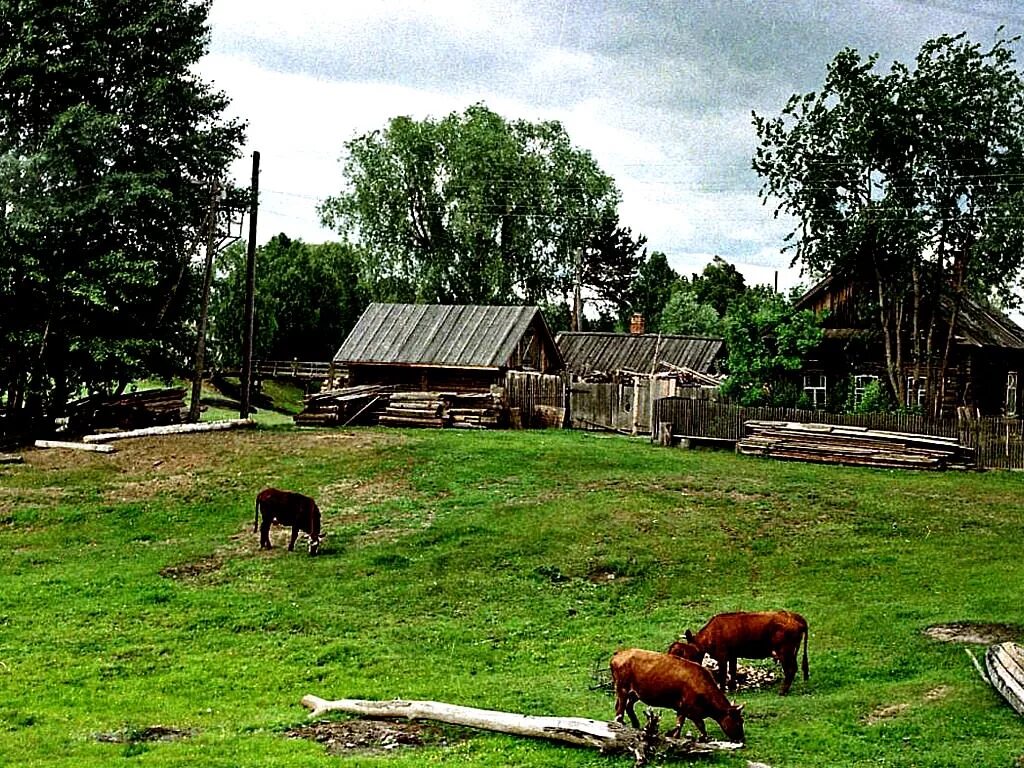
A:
{"x": 250, "y": 292}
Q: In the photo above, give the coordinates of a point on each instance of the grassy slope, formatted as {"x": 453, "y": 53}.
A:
{"x": 475, "y": 568}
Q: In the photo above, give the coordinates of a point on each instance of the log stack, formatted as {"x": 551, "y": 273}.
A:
{"x": 834, "y": 444}
{"x": 461, "y": 410}
{"x": 133, "y": 410}
{"x": 361, "y": 405}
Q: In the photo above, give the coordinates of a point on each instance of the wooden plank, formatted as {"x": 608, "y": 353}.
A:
{"x": 74, "y": 446}
{"x": 11, "y": 458}
{"x": 171, "y": 429}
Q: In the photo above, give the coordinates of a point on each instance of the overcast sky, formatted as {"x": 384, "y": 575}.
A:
{"x": 660, "y": 93}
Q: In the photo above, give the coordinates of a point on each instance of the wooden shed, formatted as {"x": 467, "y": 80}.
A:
{"x": 447, "y": 347}
{"x": 616, "y": 377}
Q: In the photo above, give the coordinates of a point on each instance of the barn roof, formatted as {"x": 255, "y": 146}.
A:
{"x": 459, "y": 336}
{"x": 589, "y": 352}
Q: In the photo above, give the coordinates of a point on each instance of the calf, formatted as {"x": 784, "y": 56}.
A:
{"x": 729, "y": 636}
{"x": 660, "y": 680}
{"x": 287, "y": 508}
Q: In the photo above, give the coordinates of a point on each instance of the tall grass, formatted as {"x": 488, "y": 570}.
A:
{"x": 494, "y": 570}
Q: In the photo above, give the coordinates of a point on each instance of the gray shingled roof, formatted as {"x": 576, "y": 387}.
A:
{"x": 587, "y": 352}
{"x": 460, "y": 336}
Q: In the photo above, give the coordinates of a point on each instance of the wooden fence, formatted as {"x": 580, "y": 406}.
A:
{"x": 535, "y": 399}
{"x": 997, "y": 442}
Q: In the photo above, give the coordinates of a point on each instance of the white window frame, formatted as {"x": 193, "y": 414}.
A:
{"x": 816, "y": 389}
{"x": 860, "y": 383}
{"x": 917, "y": 391}
{"x": 1012, "y": 402}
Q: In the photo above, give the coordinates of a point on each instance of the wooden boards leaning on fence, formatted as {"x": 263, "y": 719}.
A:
{"x": 832, "y": 444}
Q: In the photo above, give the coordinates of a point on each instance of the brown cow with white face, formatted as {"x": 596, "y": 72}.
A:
{"x": 288, "y": 508}
{"x": 757, "y": 635}
{"x": 660, "y": 680}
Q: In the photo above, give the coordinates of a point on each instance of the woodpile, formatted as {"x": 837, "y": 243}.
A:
{"x": 461, "y": 410}
{"x": 133, "y": 410}
{"x": 833, "y": 444}
{"x": 350, "y": 406}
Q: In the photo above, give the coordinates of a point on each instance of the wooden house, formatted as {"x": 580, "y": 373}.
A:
{"x": 616, "y": 377}
{"x": 984, "y": 370}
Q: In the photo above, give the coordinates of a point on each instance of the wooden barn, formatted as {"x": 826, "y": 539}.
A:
{"x": 442, "y": 365}
{"x": 616, "y": 377}
{"x": 985, "y": 367}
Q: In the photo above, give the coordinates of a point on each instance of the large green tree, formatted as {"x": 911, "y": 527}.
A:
{"x": 472, "y": 208}
{"x": 308, "y": 298}
{"x": 107, "y": 136}
{"x": 910, "y": 184}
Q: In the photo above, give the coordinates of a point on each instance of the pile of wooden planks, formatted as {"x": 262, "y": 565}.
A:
{"x": 834, "y": 444}
{"x": 361, "y": 405}
{"x": 462, "y": 410}
{"x": 133, "y": 410}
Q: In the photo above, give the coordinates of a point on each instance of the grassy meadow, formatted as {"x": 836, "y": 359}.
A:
{"x": 488, "y": 569}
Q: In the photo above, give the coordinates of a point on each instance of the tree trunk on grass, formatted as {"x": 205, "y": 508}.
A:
{"x": 580, "y": 731}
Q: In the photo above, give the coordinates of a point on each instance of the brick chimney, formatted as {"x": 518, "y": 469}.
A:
{"x": 636, "y": 324}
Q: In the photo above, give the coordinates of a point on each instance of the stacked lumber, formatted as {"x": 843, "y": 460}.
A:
{"x": 361, "y": 405}
{"x": 835, "y": 444}
{"x": 462, "y": 410}
{"x": 132, "y": 410}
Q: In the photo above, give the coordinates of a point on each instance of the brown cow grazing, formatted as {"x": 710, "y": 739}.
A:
{"x": 660, "y": 680}
{"x": 729, "y": 636}
{"x": 288, "y": 508}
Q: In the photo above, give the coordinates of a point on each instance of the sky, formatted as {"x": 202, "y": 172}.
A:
{"x": 659, "y": 92}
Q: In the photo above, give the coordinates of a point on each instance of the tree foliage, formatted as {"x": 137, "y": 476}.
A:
{"x": 307, "y": 300}
{"x": 767, "y": 340}
{"x": 908, "y": 183}
{"x": 651, "y": 290}
{"x": 472, "y": 209}
{"x": 106, "y": 135}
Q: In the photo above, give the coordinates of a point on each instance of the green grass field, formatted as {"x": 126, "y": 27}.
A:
{"x": 493, "y": 570}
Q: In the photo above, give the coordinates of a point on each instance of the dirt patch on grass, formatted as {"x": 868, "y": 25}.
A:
{"x": 890, "y": 711}
{"x": 982, "y": 633}
{"x": 200, "y": 570}
{"x": 372, "y": 736}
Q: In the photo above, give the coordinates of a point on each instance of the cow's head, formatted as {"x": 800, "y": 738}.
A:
{"x": 732, "y": 723}
{"x": 686, "y": 650}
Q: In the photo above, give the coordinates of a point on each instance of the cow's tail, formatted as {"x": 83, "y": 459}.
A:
{"x": 807, "y": 634}
{"x": 256, "y": 522}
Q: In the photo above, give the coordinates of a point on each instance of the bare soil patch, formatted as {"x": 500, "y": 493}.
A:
{"x": 148, "y": 733}
{"x": 372, "y": 736}
{"x": 890, "y": 711}
{"x": 982, "y": 633}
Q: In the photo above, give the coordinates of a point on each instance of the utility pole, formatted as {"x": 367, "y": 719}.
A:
{"x": 250, "y": 291}
{"x": 211, "y": 236}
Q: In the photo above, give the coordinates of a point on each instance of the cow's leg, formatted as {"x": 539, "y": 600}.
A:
{"x": 295, "y": 535}
{"x": 722, "y": 672}
{"x": 732, "y": 673}
{"x": 265, "y": 533}
{"x": 680, "y": 717}
{"x": 701, "y": 730}
{"x": 624, "y": 701}
{"x": 788, "y": 669}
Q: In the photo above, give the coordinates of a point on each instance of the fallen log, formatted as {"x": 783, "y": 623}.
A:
{"x": 11, "y": 458}
{"x": 74, "y": 446}
{"x": 170, "y": 429}
{"x": 579, "y": 731}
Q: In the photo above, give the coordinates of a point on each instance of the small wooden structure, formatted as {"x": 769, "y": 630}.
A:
{"x": 617, "y": 377}
{"x": 1004, "y": 669}
{"x": 436, "y": 365}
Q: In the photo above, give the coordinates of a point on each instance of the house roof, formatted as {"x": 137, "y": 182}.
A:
{"x": 458, "y": 336}
{"x": 586, "y": 352}
{"x": 976, "y": 325}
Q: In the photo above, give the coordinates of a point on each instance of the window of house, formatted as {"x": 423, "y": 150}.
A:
{"x": 860, "y": 383}
{"x": 815, "y": 389}
{"x": 1011, "y": 393}
{"x": 917, "y": 390}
